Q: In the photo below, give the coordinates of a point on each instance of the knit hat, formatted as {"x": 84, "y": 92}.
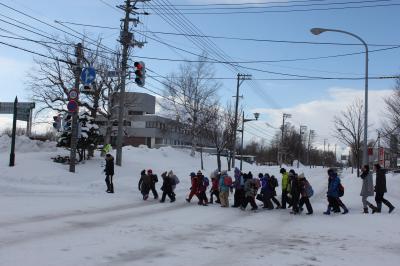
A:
{"x": 300, "y": 176}
{"x": 170, "y": 173}
{"x": 199, "y": 173}
{"x": 192, "y": 174}
{"x": 149, "y": 171}
{"x": 283, "y": 170}
{"x": 260, "y": 175}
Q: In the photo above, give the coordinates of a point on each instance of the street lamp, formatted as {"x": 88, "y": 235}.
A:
{"x": 256, "y": 116}
{"x": 317, "y": 31}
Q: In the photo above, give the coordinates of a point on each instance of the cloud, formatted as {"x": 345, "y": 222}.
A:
{"x": 319, "y": 114}
{"x": 12, "y": 75}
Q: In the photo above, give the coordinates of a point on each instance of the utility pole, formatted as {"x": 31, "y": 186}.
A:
{"x": 309, "y": 146}
{"x": 74, "y": 121}
{"x": 127, "y": 41}
{"x": 323, "y": 157}
{"x": 240, "y": 79}
{"x": 335, "y": 154}
{"x": 280, "y": 150}
{"x": 14, "y": 128}
{"x": 302, "y": 129}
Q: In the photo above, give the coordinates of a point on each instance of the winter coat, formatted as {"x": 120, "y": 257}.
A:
{"x": 367, "y": 184}
{"x": 294, "y": 186}
{"x": 266, "y": 188}
{"x": 333, "y": 186}
{"x": 109, "y": 170}
{"x": 250, "y": 188}
{"x": 302, "y": 184}
{"x": 144, "y": 182}
{"x": 239, "y": 181}
{"x": 285, "y": 182}
{"x": 195, "y": 184}
{"x": 380, "y": 182}
{"x": 222, "y": 186}
{"x": 201, "y": 187}
{"x": 167, "y": 183}
{"x": 154, "y": 179}
{"x": 214, "y": 184}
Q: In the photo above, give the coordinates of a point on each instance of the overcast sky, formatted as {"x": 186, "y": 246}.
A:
{"x": 312, "y": 103}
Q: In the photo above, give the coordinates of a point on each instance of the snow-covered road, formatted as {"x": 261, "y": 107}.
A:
{"x": 52, "y": 217}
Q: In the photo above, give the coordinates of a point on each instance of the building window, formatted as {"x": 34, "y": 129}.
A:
{"x": 127, "y": 123}
{"x": 135, "y": 113}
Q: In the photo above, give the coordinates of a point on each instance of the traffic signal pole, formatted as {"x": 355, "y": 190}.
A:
{"x": 74, "y": 124}
{"x": 125, "y": 41}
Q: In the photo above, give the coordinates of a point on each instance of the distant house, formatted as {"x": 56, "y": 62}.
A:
{"x": 142, "y": 126}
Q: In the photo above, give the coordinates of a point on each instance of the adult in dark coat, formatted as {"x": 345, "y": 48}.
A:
{"x": 380, "y": 189}
{"x": 154, "y": 180}
{"x": 294, "y": 191}
{"x": 303, "y": 184}
{"x": 144, "y": 184}
{"x": 109, "y": 171}
{"x": 166, "y": 188}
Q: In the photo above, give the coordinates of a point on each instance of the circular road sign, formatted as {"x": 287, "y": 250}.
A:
{"x": 73, "y": 94}
{"x": 72, "y": 106}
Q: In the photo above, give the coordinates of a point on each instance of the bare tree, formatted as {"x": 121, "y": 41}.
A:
{"x": 191, "y": 92}
{"x": 51, "y": 80}
{"x": 349, "y": 127}
{"x": 221, "y": 129}
{"x": 391, "y": 125}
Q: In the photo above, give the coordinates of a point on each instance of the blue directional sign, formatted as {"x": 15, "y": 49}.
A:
{"x": 88, "y": 75}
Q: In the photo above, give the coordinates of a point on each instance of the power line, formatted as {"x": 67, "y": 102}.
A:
{"x": 248, "y": 3}
{"x": 287, "y": 11}
{"x": 231, "y": 37}
{"x": 281, "y": 5}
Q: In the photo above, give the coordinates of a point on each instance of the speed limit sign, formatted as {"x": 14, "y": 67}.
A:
{"x": 73, "y": 94}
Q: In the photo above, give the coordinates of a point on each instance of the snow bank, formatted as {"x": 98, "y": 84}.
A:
{"x": 25, "y": 144}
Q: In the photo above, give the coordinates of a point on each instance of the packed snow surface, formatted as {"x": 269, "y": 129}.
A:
{"x": 52, "y": 217}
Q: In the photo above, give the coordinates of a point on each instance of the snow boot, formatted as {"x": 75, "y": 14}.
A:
{"x": 188, "y": 200}
{"x": 391, "y": 208}
{"x": 366, "y": 210}
{"x": 328, "y": 211}
{"x": 345, "y": 210}
{"x": 373, "y": 208}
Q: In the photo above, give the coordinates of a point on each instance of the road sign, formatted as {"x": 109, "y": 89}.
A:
{"x": 88, "y": 75}
{"x": 72, "y": 106}
{"x": 73, "y": 94}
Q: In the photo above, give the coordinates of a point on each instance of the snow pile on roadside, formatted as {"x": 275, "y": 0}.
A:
{"x": 25, "y": 144}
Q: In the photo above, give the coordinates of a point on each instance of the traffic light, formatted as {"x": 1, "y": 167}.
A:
{"x": 57, "y": 122}
{"x": 140, "y": 73}
{"x": 67, "y": 123}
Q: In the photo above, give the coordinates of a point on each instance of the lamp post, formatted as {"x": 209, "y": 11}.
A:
{"x": 256, "y": 115}
{"x": 317, "y": 31}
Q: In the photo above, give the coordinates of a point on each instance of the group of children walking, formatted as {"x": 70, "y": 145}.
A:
{"x": 296, "y": 189}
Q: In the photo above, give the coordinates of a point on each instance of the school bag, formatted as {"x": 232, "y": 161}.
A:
{"x": 274, "y": 182}
{"x": 340, "y": 190}
{"x": 206, "y": 182}
{"x": 309, "y": 190}
{"x": 228, "y": 181}
{"x": 175, "y": 180}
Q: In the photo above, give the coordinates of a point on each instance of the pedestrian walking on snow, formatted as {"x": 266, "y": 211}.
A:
{"x": 238, "y": 185}
{"x": 166, "y": 187}
{"x": 203, "y": 183}
{"x": 334, "y": 193}
{"x": 144, "y": 184}
{"x": 194, "y": 186}
{"x": 224, "y": 188}
{"x": 294, "y": 191}
{"x": 306, "y": 192}
{"x": 109, "y": 171}
{"x": 285, "y": 188}
{"x": 367, "y": 189}
{"x": 250, "y": 189}
{"x": 154, "y": 180}
{"x": 214, "y": 191}
{"x": 380, "y": 189}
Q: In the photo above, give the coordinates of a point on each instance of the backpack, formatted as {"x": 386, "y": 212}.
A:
{"x": 309, "y": 190}
{"x": 228, "y": 181}
{"x": 206, "y": 182}
{"x": 274, "y": 182}
{"x": 340, "y": 190}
